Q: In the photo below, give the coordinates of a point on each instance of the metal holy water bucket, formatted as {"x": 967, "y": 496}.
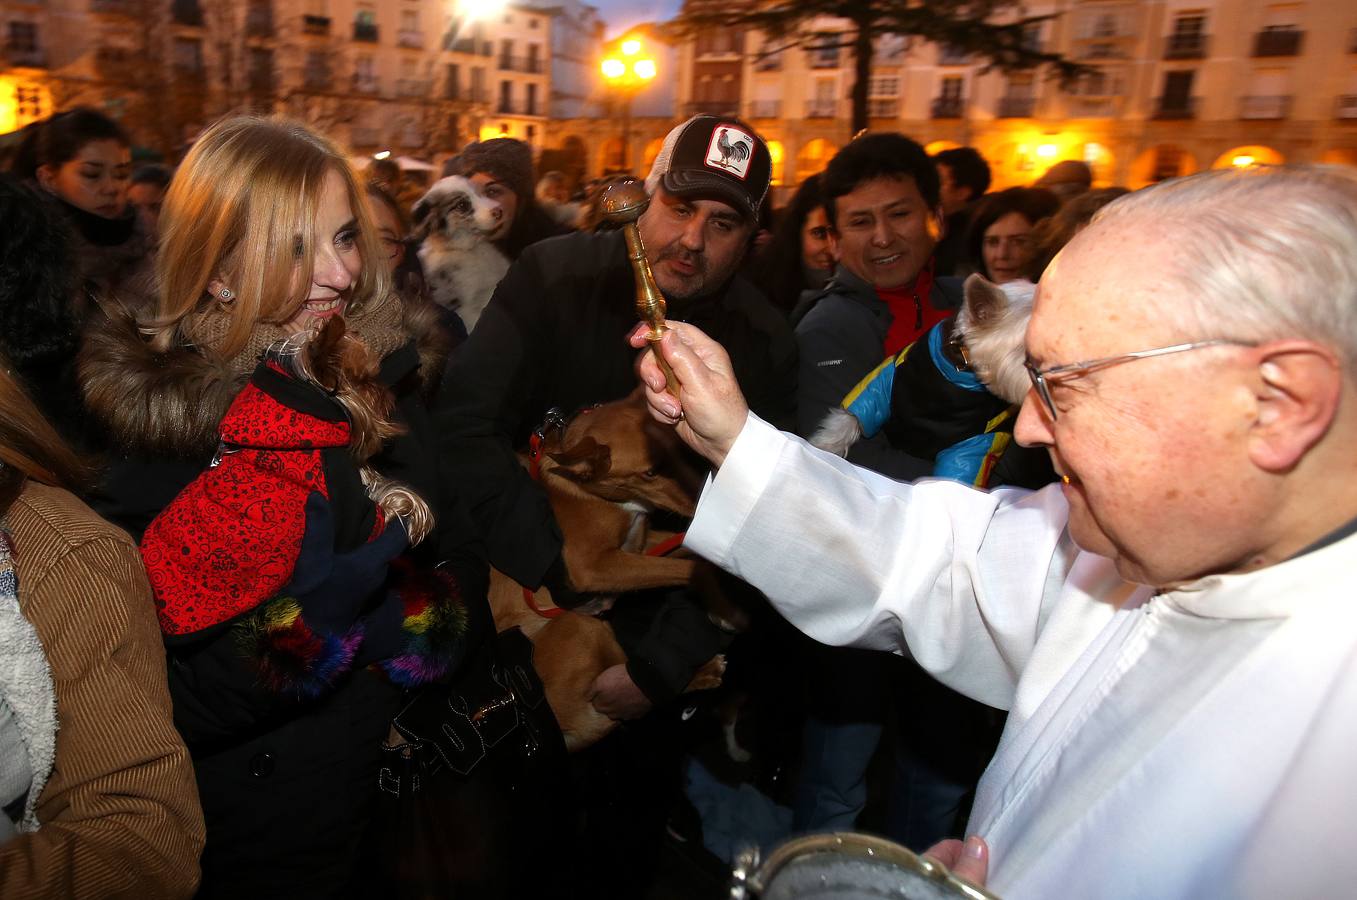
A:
{"x": 845, "y": 866}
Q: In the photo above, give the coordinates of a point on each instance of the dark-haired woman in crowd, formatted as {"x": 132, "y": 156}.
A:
{"x": 1053, "y": 233}
{"x": 1000, "y": 238}
{"x": 39, "y": 326}
{"x": 798, "y": 259}
{"x": 83, "y": 159}
{"x": 95, "y": 784}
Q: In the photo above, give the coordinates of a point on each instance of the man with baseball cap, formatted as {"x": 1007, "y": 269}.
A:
{"x": 555, "y": 335}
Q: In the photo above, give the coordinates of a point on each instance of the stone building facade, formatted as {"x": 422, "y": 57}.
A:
{"x": 398, "y": 75}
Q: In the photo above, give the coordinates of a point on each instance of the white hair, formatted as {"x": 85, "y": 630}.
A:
{"x": 1265, "y": 253}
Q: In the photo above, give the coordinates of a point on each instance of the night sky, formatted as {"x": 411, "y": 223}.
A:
{"x": 622, "y": 14}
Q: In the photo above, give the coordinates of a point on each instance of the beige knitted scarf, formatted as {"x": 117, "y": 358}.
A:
{"x": 378, "y": 324}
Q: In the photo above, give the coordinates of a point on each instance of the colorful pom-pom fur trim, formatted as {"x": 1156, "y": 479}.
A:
{"x": 292, "y": 658}
{"x": 434, "y": 626}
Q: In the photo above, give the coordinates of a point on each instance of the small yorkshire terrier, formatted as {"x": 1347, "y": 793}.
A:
{"x": 342, "y": 365}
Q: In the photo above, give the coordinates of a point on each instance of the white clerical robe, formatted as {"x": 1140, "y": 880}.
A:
{"x": 1193, "y": 743}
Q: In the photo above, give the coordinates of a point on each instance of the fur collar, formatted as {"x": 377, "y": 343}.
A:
{"x": 170, "y": 404}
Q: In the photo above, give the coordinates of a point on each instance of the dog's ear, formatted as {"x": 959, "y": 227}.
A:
{"x": 322, "y": 353}
{"x": 424, "y": 218}
{"x": 586, "y": 461}
{"x": 985, "y": 299}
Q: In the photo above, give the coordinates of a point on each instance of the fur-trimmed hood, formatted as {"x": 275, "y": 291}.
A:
{"x": 170, "y": 403}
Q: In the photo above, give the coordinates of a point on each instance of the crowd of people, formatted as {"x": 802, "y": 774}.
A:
{"x": 253, "y": 480}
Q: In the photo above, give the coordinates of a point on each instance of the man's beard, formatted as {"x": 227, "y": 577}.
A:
{"x": 695, "y": 283}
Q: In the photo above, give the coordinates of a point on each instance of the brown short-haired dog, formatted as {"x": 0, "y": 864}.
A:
{"x": 604, "y": 473}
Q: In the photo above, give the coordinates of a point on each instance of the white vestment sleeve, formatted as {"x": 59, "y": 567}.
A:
{"x": 964, "y": 579}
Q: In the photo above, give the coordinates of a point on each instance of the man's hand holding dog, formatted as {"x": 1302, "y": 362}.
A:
{"x": 710, "y": 411}
{"x": 616, "y": 696}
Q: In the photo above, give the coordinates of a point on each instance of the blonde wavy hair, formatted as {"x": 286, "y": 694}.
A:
{"x": 242, "y": 208}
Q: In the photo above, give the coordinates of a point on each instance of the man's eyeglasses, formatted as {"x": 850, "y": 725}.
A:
{"x": 1042, "y": 379}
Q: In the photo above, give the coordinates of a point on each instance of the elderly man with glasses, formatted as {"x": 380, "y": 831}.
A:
{"x": 1171, "y": 628}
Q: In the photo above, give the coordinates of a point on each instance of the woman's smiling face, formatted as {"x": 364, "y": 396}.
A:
{"x": 337, "y": 257}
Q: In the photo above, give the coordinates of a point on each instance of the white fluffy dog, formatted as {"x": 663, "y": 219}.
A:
{"x": 990, "y": 325}
{"x": 461, "y": 265}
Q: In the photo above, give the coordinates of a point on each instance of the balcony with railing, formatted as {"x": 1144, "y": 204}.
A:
{"x": 469, "y": 46}
{"x": 770, "y": 63}
{"x": 114, "y": 7}
{"x": 186, "y": 12}
{"x": 883, "y": 107}
{"x": 949, "y": 107}
{"x": 713, "y": 108}
{"x": 413, "y": 87}
{"x": 1346, "y": 107}
{"x": 24, "y": 57}
{"x": 115, "y": 64}
{"x": 364, "y": 83}
{"x": 822, "y": 57}
{"x": 410, "y": 37}
{"x": 1092, "y": 107}
{"x": 822, "y": 109}
{"x": 1186, "y": 46}
{"x": 953, "y": 56}
{"x": 1169, "y": 108}
{"x": 315, "y": 25}
{"x": 530, "y": 64}
{"x": 506, "y": 107}
{"x": 366, "y": 32}
{"x": 1276, "y": 106}
{"x": 765, "y": 109}
{"x": 1278, "y": 42}
{"x": 1102, "y": 50}
{"x": 1017, "y": 107}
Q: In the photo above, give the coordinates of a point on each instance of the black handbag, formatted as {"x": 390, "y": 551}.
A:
{"x": 480, "y": 785}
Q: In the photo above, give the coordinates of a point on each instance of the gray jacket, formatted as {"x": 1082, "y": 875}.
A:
{"x": 840, "y": 339}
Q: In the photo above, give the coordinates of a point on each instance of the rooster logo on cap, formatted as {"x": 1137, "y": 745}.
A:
{"x": 739, "y": 150}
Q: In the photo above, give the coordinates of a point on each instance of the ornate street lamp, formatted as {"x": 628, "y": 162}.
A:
{"x": 626, "y": 69}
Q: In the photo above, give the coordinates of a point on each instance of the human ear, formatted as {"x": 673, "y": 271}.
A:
{"x": 219, "y": 289}
{"x": 47, "y": 177}
{"x": 1297, "y": 392}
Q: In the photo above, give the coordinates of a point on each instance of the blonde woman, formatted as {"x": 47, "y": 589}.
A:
{"x": 295, "y": 608}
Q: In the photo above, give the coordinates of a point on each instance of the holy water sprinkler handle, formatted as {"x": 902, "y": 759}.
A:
{"x": 622, "y": 203}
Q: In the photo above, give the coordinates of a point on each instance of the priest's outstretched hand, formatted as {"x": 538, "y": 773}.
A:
{"x": 709, "y": 411}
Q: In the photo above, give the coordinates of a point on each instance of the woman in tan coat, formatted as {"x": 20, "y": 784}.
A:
{"x": 96, "y": 785}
